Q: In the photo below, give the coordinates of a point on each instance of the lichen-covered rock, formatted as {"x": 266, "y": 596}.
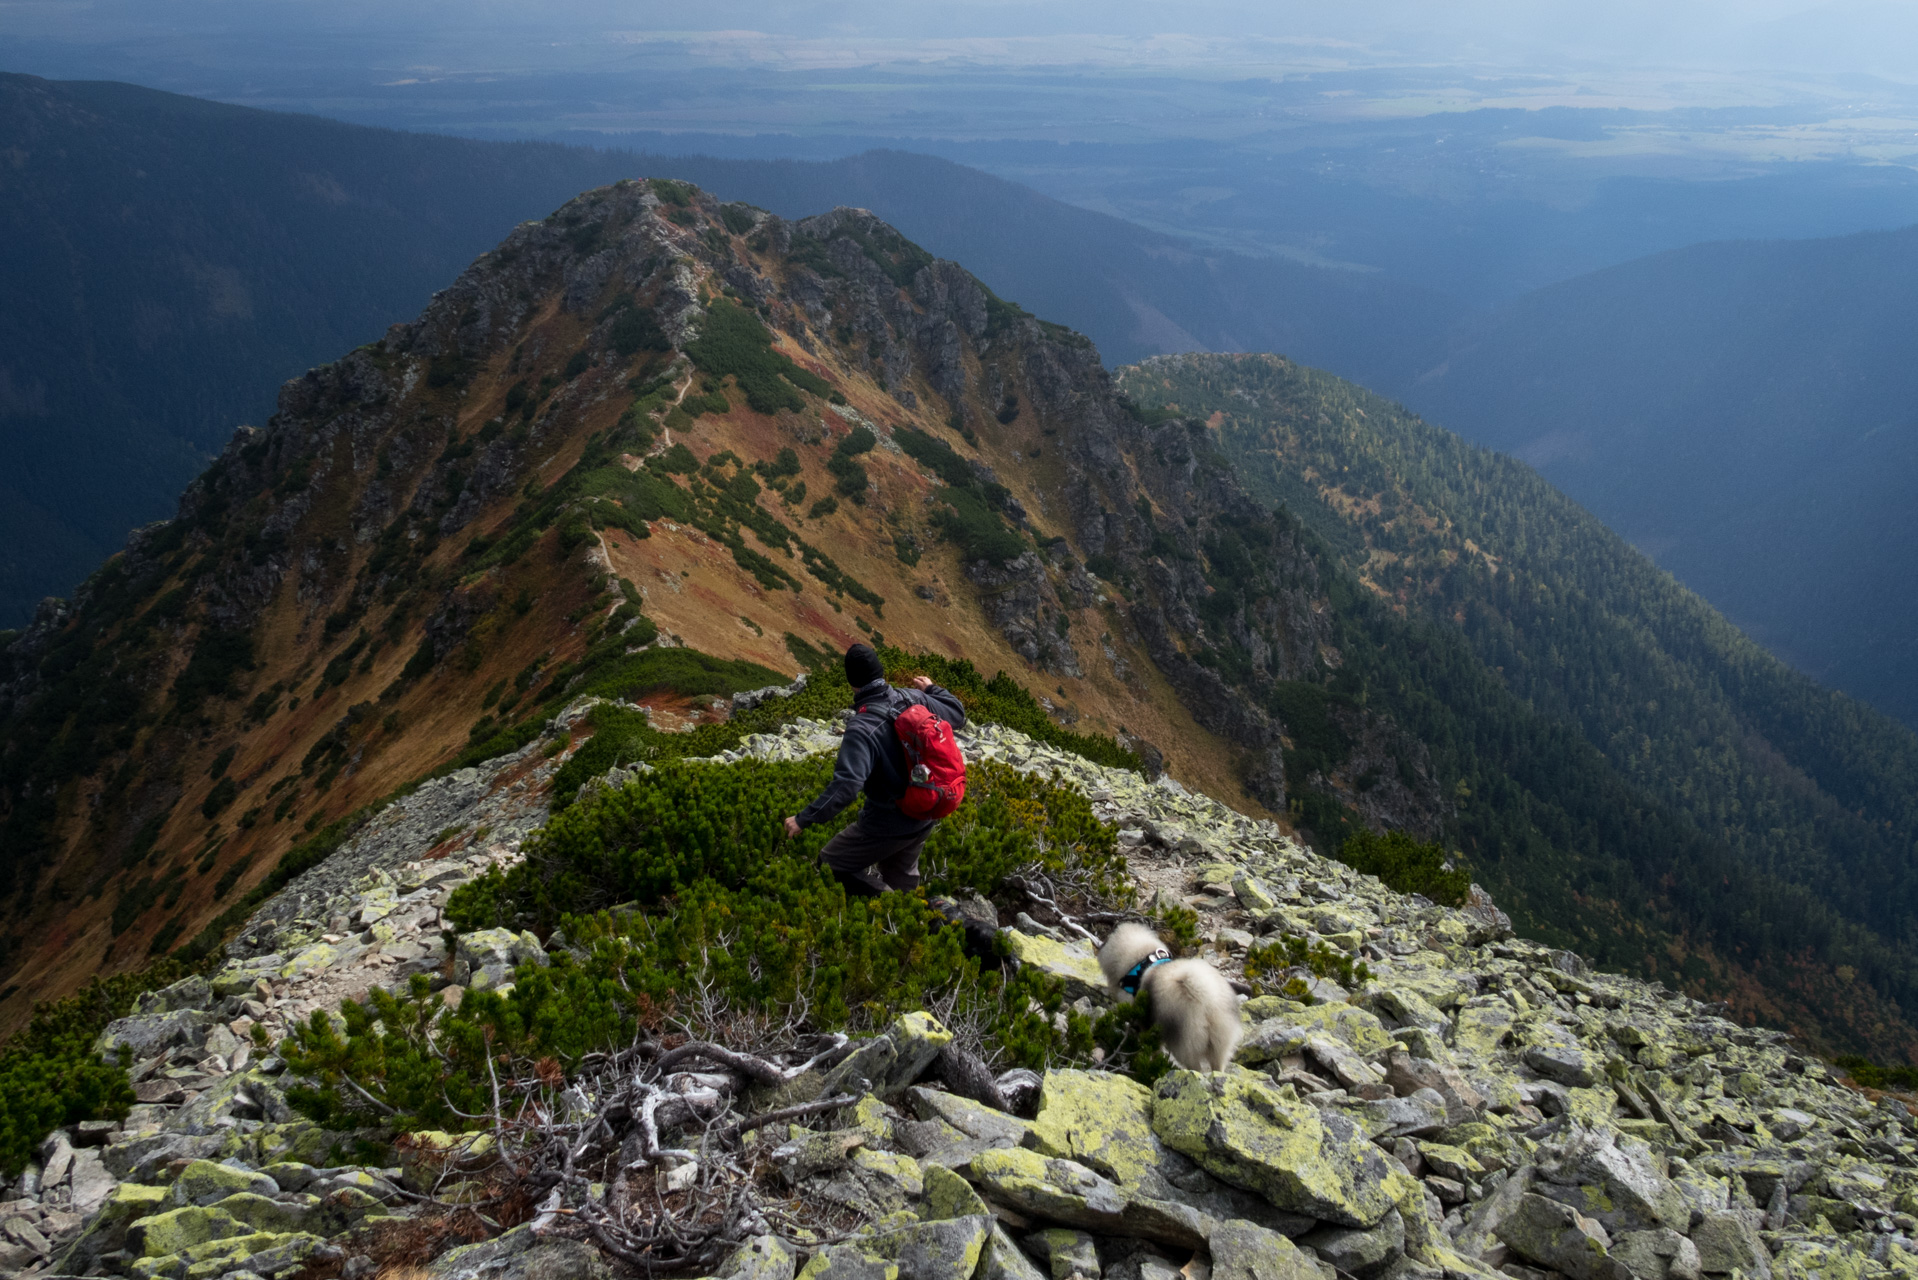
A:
{"x": 1658, "y": 1255}
{"x": 1358, "y": 1030}
{"x": 203, "y": 1182}
{"x": 1419, "y": 1113}
{"x": 849, "y": 1261}
{"x": 175, "y": 1230}
{"x": 891, "y": 1181}
{"x": 1004, "y": 1260}
{"x": 889, "y": 1064}
{"x": 1404, "y": 1005}
{"x": 520, "y": 1255}
{"x": 1821, "y": 1260}
{"x": 1101, "y": 1120}
{"x": 1241, "y": 1128}
{"x": 1076, "y": 967}
{"x": 1242, "y": 1251}
{"x": 1566, "y": 1063}
{"x": 148, "y": 1035}
{"x": 947, "y": 1195}
{"x": 88, "y": 1182}
{"x": 760, "y": 1258}
{"x": 974, "y": 1119}
{"x": 1728, "y": 1242}
{"x": 1360, "y": 1252}
{"x": 107, "y": 1233}
{"x": 263, "y": 1253}
{"x": 1408, "y": 1074}
{"x": 1618, "y": 1182}
{"x": 1069, "y": 1193}
{"x": 1066, "y": 1253}
{"x": 1253, "y": 893}
{"x": 1559, "y": 1237}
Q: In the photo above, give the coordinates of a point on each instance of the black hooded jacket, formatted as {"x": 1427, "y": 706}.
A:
{"x": 870, "y": 758}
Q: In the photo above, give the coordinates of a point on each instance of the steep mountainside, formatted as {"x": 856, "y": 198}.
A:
{"x": 169, "y": 262}
{"x": 1635, "y": 776}
{"x": 1743, "y": 414}
{"x": 657, "y": 448}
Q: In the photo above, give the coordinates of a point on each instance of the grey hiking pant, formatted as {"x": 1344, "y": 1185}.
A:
{"x": 869, "y": 863}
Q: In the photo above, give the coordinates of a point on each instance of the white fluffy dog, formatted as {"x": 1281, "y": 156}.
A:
{"x": 1193, "y": 1006}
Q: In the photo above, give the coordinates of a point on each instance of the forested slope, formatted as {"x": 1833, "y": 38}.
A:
{"x": 1631, "y": 769}
{"x": 1743, "y": 412}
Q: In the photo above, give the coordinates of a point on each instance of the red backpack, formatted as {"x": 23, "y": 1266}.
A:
{"x": 937, "y": 781}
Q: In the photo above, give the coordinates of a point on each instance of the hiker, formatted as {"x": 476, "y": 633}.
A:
{"x": 880, "y": 850}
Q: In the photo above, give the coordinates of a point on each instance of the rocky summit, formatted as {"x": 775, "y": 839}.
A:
{"x": 1441, "y": 1098}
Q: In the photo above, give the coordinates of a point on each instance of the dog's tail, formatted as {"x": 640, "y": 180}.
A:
{"x": 1197, "y": 1013}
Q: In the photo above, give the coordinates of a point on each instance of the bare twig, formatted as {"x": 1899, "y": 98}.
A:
{"x": 784, "y": 1114}
{"x": 1044, "y": 899}
{"x": 384, "y": 1109}
{"x": 757, "y": 1068}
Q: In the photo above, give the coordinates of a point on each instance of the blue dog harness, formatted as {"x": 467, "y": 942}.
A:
{"x": 1135, "y": 976}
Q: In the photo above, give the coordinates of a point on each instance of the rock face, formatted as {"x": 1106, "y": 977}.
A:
{"x": 1473, "y": 1104}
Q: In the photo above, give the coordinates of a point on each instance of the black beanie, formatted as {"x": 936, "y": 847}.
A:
{"x": 862, "y": 666}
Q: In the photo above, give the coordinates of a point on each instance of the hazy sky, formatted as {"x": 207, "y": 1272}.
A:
{"x": 1875, "y": 38}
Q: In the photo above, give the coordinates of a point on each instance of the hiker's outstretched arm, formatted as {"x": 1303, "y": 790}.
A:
{"x": 855, "y": 764}
{"x": 944, "y": 703}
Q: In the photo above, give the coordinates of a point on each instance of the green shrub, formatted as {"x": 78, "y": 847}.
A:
{"x": 636, "y": 330}
{"x": 217, "y": 658}
{"x": 224, "y": 792}
{"x": 970, "y": 516}
{"x": 849, "y": 478}
{"x": 786, "y": 463}
{"x": 676, "y": 194}
{"x": 683, "y": 671}
{"x": 733, "y": 342}
{"x": 49, "y": 1074}
{"x": 721, "y": 903}
{"x": 1266, "y": 964}
{"x": 976, "y": 529}
{"x": 1867, "y": 1074}
{"x": 678, "y": 459}
{"x": 1131, "y": 1043}
{"x": 1406, "y": 864}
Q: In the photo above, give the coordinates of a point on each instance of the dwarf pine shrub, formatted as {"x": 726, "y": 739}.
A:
{"x": 1406, "y": 864}
{"x": 1267, "y": 964}
{"x": 680, "y": 886}
{"x": 49, "y": 1074}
